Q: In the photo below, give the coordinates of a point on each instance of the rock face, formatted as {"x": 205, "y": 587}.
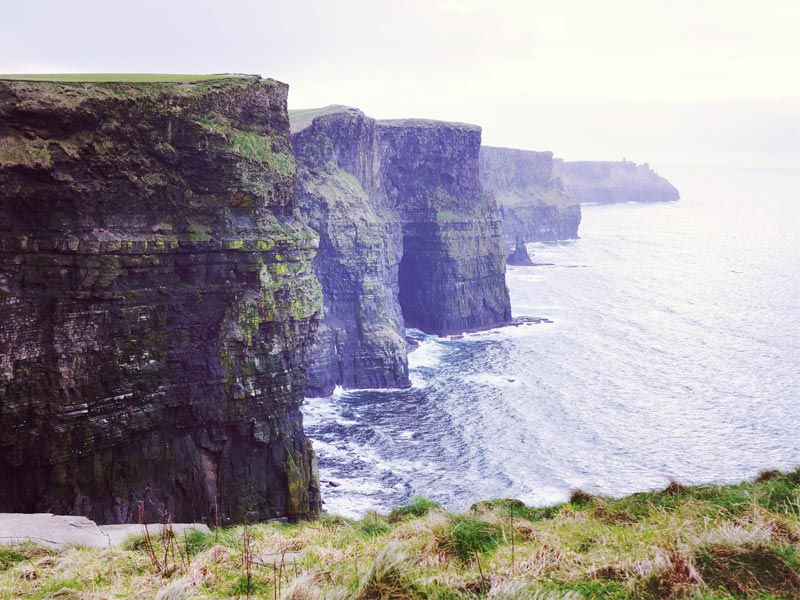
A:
{"x": 533, "y": 203}
{"x": 157, "y": 302}
{"x": 407, "y": 238}
{"x": 609, "y": 182}
{"x": 361, "y": 340}
{"x": 452, "y": 274}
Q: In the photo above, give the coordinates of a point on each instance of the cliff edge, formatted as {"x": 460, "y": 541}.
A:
{"x": 157, "y": 302}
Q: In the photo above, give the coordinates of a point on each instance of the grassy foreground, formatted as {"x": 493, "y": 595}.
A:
{"x": 740, "y": 541}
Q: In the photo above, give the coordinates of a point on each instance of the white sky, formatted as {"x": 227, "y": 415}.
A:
{"x": 664, "y": 81}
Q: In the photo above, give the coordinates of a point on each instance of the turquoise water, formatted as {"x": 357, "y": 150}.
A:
{"x": 674, "y": 352}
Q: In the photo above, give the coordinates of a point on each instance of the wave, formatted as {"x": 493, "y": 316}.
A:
{"x": 428, "y": 353}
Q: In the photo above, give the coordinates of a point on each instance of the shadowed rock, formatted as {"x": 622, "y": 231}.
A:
{"x": 157, "y": 301}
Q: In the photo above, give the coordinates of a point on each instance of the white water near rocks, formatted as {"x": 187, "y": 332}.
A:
{"x": 674, "y": 352}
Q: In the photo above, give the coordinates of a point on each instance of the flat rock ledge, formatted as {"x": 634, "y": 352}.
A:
{"x": 61, "y": 531}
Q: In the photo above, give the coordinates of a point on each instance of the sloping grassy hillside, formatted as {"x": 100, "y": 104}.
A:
{"x": 119, "y": 77}
{"x": 721, "y": 542}
{"x": 300, "y": 118}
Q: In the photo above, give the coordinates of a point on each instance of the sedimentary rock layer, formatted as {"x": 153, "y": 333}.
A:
{"x": 452, "y": 274}
{"x": 361, "y": 340}
{"x": 533, "y": 203}
{"x": 157, "y": 302}
{"x": 407, "y": 238}
{"x": 607, "y": 182}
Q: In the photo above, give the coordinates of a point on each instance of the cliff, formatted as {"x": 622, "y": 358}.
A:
{"x": 157, "y": 302}
{"x": 407, "y": 238}
{"x": 533, "y": 203}
{"x": 361, "y": 339}
{"x": 609, "y": 182}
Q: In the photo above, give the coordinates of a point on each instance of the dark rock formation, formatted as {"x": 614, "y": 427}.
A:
{"x": 407, "y": 238}
{"x": 361, "y": 340}
{"x": 452, "y": 274}
{"x": 533, "y": 203}
{"x": 608, "y": 182}
{"x": 519, "y": 256}
{"x": 157, "y": 302}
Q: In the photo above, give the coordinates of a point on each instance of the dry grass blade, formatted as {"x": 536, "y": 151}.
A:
{"x": 519, "y": 589}
{"x": 306, "y": 587}
{"x": 179, "y": 589}
{"x": 386, "y": 579}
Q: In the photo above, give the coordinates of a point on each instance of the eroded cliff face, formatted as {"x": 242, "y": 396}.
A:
{"x": 157, "y": 302}
{"x": 361, "y": 340}
{"x": 533, "y": 203}
{"x": 607, "y": 182}
{"x": 452, "y": 274}
{"x": 407, "y": 238}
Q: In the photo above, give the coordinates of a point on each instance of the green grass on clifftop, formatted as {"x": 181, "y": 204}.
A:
{"x": 300, "y": 118}
{"x": 121, "y": 77}
{"x": 709, "y": 542}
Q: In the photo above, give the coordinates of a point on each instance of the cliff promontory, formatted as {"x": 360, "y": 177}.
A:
{"x": 533, "y": 203}
{"x": 608, "y": 182}
{"x": 407, "y": 238}
{"x": 157, "y": 302}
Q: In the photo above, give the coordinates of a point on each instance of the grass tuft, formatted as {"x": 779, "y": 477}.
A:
{"x": 373, "y": 524}
{"x": 747, "y": 571}
{"x": 178, "y": 589}
{"x": 466, "y": 538}
{"x": 768, "y": 475}
{"x": 9, "y": 557}
{"x": 387, "y": 578}
{"x": 675, "y": 489}
{"x": 418, "y": 507}
{"x": 519, "y": 589}
{"x": 670, "y": 574}
{"x": 578, "y": 496}
{"x": 306, "y": 587}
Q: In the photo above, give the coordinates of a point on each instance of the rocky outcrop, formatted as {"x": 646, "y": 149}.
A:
{"x": 608, "y": 182}
{"x": 157, "y": 302}
{"x": 407, "y": 238}
{"x": 533, "y": 203}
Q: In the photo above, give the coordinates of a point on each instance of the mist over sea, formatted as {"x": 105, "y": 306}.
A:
{"x": 674, "y": 352}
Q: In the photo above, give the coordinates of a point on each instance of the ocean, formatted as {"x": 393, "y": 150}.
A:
{"x": 673, "y": 352}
